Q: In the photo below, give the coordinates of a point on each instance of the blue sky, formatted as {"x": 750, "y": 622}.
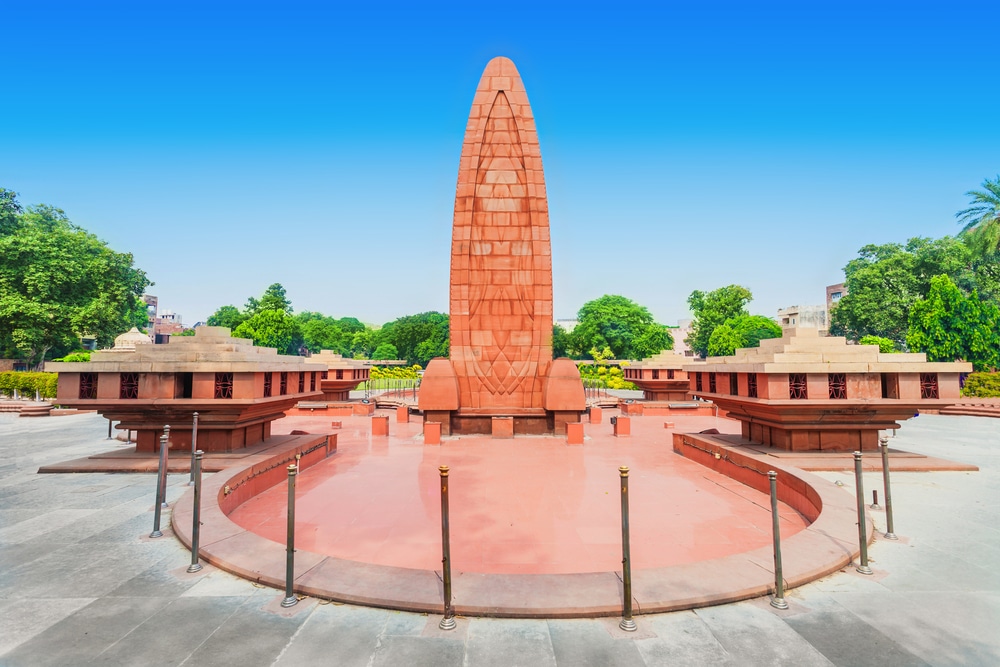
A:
{"x": 686, "y": 145}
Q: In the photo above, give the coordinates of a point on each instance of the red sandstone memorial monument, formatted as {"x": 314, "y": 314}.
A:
{"x": 236, "y": 389}
{"x": 500, "y": 377}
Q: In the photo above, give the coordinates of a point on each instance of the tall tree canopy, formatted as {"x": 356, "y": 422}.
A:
{"x": 947, "y": 326}
{"x": 59, "y": 282}
{"x": 417, "y": 338}
{"x": 621, "y": 325}
{"x": 711, "y": 310}
{"x": 884, "y": 281}
{"x": 741, "y": 331}
{"x": 981, "y": 219}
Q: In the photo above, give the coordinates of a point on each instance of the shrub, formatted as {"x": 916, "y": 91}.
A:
{"x": 27, "y": 383}
{"x": 982, "y": 385}
{"x": 75, "y": 357}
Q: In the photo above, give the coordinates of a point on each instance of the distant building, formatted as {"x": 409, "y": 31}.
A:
{"x": 567, "y": 325}
{"x": 813, "y": 317}
{"x": 680, "y": 332}
{"x": 833, "y": 295}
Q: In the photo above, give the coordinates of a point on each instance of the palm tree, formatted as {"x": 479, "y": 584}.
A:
{"x": 982, "y": 219}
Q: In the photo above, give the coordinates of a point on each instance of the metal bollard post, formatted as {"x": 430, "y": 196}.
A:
{"x": 195, "y": 566}
{"x": 778, "y": 601}
{"x": 862, "y": 532}
{"x": 290, "y": 599}
{"x": 165, "y": 457}
{"x": 128, "y": 436}
{"x": 448, "y": 622}
{"x": 889, "y": 534}
{"x": 109, "y": 429}
{"x": 194, "y": 444}
{"x": 161, "y": 483}
{"x": 875, "y": 505}
{"x": 626, "y": 623}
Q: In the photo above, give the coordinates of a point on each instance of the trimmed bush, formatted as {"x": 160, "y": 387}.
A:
{"x": 27, "y": 383}
{"x": 982, "y": 385}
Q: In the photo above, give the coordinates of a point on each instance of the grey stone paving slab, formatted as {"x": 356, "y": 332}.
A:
{"x": 394, "y": 650}
{"x": 682, "y": 638}
{"x": 587, "y": 643}
{"x": 343, "y": 636}
{"x": 172, "y": 634}
{"x": 22, "y": 619}
{"x": 825, "y": 630}
{"x": 508, "y": 643}
{"x": 251, "y": 637}
{"x": 758, "y": 636}
{"x": 83, "y": 635}
{"x": 942, "y": 629}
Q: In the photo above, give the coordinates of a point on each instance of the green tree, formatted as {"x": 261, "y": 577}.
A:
{"x": 884, "y": 281}
{"x": 561, "y": 342}
{"x": 274, "y": 298}
{"x": 227, "y": 316}
{"x": 621, "y": 325}
{"x": 947, "y": 325}
{"x": 712, "y": 309}
{"x": 385, "y": 351}
{"x": 270, "y": 328}
{"x": 981, "y": 220}
{"x": 739, "y": 332}
{"x": 363, "y": 343}
{"x": 10, "y": 212}
{"x": 323, "y": 333}
{"x": 58, "y": 282}
{"x": 885, "y": 345}
{"x": 418, "y": 338}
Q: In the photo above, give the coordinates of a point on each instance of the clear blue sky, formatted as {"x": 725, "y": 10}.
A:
{"x": 686, "y": 145}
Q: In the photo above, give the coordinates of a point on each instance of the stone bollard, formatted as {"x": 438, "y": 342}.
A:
{"x": 380, "y": 425}
{"x": 622, "y": 426}
{"x": 574, "y": 433}
{"x": 432, "y": 433}
{"x": 596, "y": 415}
{"x": 402, "y": 414}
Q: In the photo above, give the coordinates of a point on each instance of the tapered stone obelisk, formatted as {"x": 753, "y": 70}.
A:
{"x": 501, "y": 278}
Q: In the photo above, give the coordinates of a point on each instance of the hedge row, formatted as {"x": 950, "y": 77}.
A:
{"x": 395, "y": 372}
{"x": 609, "y": 377}
{"x": 27, "y": 383}
{"x": 982, "y": 385}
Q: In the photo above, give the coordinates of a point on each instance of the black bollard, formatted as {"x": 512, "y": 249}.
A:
{"x": 109, "y": 429}
{"x": 626, "y": 623}
{"x": 862, "y": 530}
{"x": 161, "y": 482}
{"x": 165, "y": 458}
{"x": 875, "y": 505}
{"x": 290, "y": 599}
{"x": 448, "y": 622}
{"x": 778, "y": 601}
{"x": 194, "y": 444}
{"x": 195, "y": 566}
{"x": 884, "y": 443}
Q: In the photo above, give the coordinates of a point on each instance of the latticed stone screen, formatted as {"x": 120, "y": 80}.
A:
{"x": 797, "y": 388}
{"x": 128, "y": 385}
{"x": 88, "y": 385}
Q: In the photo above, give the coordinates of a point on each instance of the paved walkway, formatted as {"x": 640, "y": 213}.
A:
{"x": 80, "y": 583}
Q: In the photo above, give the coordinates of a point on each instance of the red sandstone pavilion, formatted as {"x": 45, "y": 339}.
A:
{"x": 236, "y": 389}
{"x": 500, "y": 377}
{"x": 805, "y": 392}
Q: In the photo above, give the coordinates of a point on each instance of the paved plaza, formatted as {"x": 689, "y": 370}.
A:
{"x": 81, "y": 583}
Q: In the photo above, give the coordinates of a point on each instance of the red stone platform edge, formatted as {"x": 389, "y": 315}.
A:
{"x": 828, "y": 544}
